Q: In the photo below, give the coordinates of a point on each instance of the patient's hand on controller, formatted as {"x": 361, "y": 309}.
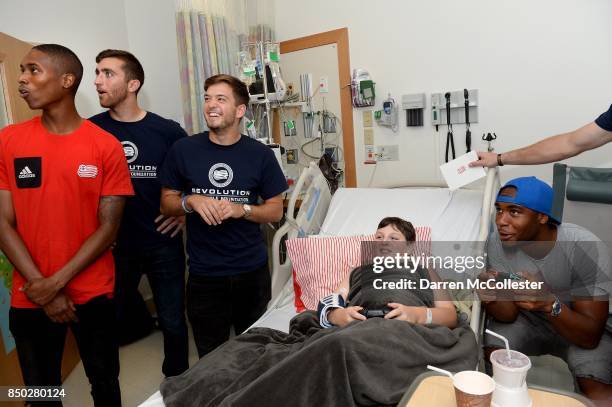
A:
{"x": 344, "y": 316}
{"x": 404, "y": 312}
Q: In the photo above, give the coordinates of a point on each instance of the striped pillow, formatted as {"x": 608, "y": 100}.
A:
{"x": 321, "y": 263}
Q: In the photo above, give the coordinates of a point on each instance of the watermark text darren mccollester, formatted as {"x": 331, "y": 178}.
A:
{"x": 490, "y": 284}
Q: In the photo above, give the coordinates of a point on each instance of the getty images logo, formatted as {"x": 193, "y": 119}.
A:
{"x": 26, "y": 173}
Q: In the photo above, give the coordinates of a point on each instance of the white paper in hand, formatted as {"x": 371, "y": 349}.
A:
{"x": 458, "y": 173}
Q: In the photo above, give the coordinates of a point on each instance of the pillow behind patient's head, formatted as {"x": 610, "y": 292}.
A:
{"x": 321, "y": 263}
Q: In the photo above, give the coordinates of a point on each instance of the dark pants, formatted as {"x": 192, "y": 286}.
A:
{"x": 214, "y": 304}
{"x": 165, "y": 270}
{"x": 40, "y": 345}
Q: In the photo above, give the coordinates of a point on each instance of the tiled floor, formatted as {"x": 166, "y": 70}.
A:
{"x": 139, "y": 378}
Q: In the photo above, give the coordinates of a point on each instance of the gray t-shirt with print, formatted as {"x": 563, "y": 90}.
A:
{"x": 578, "y": 265}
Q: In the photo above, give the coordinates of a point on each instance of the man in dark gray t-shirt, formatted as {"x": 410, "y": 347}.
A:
{"x": 570, "y": 316}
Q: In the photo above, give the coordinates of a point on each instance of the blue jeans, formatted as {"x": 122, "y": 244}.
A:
{"x": 165, "y": 270}
{"x": 40, "y": 345}
{"x": 214, "y": 304}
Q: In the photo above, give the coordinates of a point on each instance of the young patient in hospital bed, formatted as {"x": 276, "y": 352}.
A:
{"x": 356, "y": 362}
{"x": 374, "y": 289}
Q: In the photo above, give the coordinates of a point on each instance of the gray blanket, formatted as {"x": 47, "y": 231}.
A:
{"x": 369, "y": 363}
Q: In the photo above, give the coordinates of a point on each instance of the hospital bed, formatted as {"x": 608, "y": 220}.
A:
{"x": 463, "y": 215}
{"x": 454, "y": 216}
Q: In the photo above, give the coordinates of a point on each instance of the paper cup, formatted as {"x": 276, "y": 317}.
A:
{"x": 473, "y": 389}
{"x": 510, "y": 372}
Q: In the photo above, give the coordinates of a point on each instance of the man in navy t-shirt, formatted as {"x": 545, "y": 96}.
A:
{"x": 228, "y": 184}
{"x": 554, "y": 148}
{"x": 147, "y": 243}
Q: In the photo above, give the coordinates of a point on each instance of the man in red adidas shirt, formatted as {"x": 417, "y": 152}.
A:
{"x": 62, "y": 187}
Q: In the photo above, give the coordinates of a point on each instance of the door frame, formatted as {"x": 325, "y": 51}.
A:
{"x": 12, "y": 51}
{"x": 340, "y": 38}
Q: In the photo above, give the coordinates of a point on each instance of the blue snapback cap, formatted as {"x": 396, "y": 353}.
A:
{"x": 531, "y": 193}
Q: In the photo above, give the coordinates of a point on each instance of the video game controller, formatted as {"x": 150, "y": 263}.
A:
{"x": 375, "y": 313}
{"x": 504, "y": 275}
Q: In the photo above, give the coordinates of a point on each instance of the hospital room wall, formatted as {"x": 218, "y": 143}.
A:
{"x": 152, "y": 38}
{"x": 541, "y": 68}
{"x": 145, "y": 27}
{"x": 86, "y": 30}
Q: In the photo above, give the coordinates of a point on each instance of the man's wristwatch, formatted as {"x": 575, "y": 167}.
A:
{"x": 556, "y": 307}
{"x": 499, "y": 161}
{"x": 247, "y": 211}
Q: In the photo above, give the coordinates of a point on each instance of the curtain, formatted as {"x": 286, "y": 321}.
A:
{"x": 210, "y": 35}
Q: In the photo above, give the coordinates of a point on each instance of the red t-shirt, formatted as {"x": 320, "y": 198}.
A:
{"x": 56, "y": 182}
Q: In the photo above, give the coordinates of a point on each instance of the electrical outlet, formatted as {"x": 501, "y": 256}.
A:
{"x": 370, "y": 155}
{"x": 387, "y": 153}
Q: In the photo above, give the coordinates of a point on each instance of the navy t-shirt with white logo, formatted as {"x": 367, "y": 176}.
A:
{"x": 605, "y": 120}
{"x": 145, "y": 144}
{"x": 242, "y": 173}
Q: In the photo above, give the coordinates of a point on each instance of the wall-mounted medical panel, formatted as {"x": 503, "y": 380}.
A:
{"x": 457, "y": 101}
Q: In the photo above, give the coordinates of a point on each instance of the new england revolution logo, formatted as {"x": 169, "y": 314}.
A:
{"x": 220, "y": 175}
{"x": 87, "y": 171}
{"x": 130, "y": 150}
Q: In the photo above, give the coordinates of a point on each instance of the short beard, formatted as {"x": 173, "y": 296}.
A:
{"x": 115, "y": 101}
{"x": 216, "y": 128}
{"x": 221, "y": 127}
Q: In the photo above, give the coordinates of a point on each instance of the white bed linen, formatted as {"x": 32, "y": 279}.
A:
{"x": 452, "y": 216}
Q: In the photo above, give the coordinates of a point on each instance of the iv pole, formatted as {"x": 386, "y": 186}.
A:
{"x": 265, "y": 86}
{"x": 259, "y": 50}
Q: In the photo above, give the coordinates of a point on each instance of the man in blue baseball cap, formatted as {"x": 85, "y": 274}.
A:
{"x": 569, "y": 316}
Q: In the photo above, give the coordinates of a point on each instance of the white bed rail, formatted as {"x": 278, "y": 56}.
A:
{"x": 308, "y": 221}
{"x": 281, "y": 272}
{"x": 492, "y": 185}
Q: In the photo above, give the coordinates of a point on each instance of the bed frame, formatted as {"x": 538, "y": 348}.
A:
{"x": 308, "y": 221}
{"x": 313, "y": 210}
